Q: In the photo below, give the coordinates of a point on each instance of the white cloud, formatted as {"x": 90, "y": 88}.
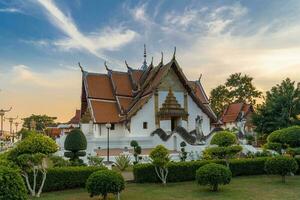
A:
{"x": 10, "y": 10}
{"x": 110, "y": 38}
{"x": 23, "y": 75}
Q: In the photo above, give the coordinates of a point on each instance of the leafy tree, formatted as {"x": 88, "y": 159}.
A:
{"x": 11, "y": 185}
{"x": 284, "y": 138}
{"x": 38, "y": 122}
{"x": 75, "y": 144}
{"x": 280, "y": 109}
{"x": 137, "y": 150}
{"x": 24, "y": 133}
{"x": 30, "y": 155}
{"x": 160, "y": 159}
{"x": 225, "y": 149}
{"x": 281, "y": 165}
{"x": 213, "y": 175}
{"x": 104, "y": 182}
{"x": 224, "y": 139}
{"x": 238, "y": 88}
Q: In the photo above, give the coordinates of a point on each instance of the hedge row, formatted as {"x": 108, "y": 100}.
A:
{"x": 185, "y": 171}
{"x": 61, "y": 178}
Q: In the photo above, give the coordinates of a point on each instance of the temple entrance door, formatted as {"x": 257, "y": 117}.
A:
{"x": 174, "y": 123}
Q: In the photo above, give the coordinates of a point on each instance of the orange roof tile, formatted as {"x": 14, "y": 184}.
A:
{"x": 105, "y": 111}
{"x": 122, "y": 83}
{"x": 125, "y": 102}
{"x": 233, "y": 111}
{"x": 76, "y": 118}
{"x": 99, "y": 86}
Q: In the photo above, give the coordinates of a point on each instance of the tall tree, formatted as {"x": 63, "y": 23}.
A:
{"x": 38, "y": 122}
{"x": 281, "y": 108}
{"x": 238, "y": 88}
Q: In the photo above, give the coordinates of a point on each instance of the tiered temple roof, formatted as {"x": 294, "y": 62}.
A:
{"x": 117, "y": 96}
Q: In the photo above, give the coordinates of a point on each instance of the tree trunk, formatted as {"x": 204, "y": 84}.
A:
{"x": 42, "y": 184}
{"x": 283, "y": 179}
{"x": 105, "y": 197}
{"x": 215, "y": 188}
{"x": 32, "y": 192}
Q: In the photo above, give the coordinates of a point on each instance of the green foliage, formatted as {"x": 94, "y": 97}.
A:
{"x": 222, "y": 152}
{"x": 185, "y": 171}
{"x": 123, "y": 162}
{"x": 238, "y": 88}
{"x": 95, "y": 161}
{"x": 137, "y": 150}
{"x": 41, "y": 122}
{"x": 293, "y": 151}
{"x": 58, "y": 161}
{"x": 274, "y": 146}
{"x": 224, "y": 139}
{"x": 280, "y": 109}
{"x": 284, "y": 138}
{"x": 63, "y": 178}
{"x": 24, "y": 133}
{"x": 213, "y": 175}
{"x": 104, "y": 182}
{"x": 33, "y": 144}
{"x": 160, "y": 156}
{"x": 12, "y": 186}
{"x": 281, "y": 165}
{"x": 75, "y": 144}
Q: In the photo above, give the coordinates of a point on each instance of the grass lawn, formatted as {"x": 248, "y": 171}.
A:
{"x": 251, "y": 187}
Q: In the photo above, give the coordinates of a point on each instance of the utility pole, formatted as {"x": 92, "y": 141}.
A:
{"x": 2, "y": 113}
{"x": 11, "y": 120}
{"x": 16, "y": 124}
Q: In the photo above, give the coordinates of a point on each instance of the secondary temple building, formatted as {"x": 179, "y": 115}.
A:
{"x": 152, "y": 105}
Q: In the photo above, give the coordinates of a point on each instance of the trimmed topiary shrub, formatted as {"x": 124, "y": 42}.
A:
{"x": 284, "y": 138}
{"x": 213, "y": 175}
{"x": 281, "y": 165}
{"x": 75, "y": 144}
{"x": 224, "y": 139}
{"x": 12, "y": 186}
{"x": 104, "y": 182}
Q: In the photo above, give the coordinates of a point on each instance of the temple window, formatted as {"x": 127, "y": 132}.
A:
{"x": 145, "y": 125}
{"x": 112, "y": 127}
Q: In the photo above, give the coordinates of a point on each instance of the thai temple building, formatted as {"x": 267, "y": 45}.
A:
{"x": 151, "y": 104}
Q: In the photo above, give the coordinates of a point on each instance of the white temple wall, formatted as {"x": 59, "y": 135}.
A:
{"x": 145, "y": 114}
{"x": 165, "y": 125}
{"x": 194, "y": 111}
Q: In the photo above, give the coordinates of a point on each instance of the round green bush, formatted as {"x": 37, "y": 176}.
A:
{"x": 281, "y": 165}
{"x": 288, "y": 137}
{"x": 12, "y": 186}
{"x": 213, "y": 175}
{"x": 104, "y": 182}
{"x": 75, "y": 141}
{"x": 224, "y": 139}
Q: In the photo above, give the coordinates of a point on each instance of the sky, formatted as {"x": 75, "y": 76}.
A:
{"x": 42, "y": 41}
